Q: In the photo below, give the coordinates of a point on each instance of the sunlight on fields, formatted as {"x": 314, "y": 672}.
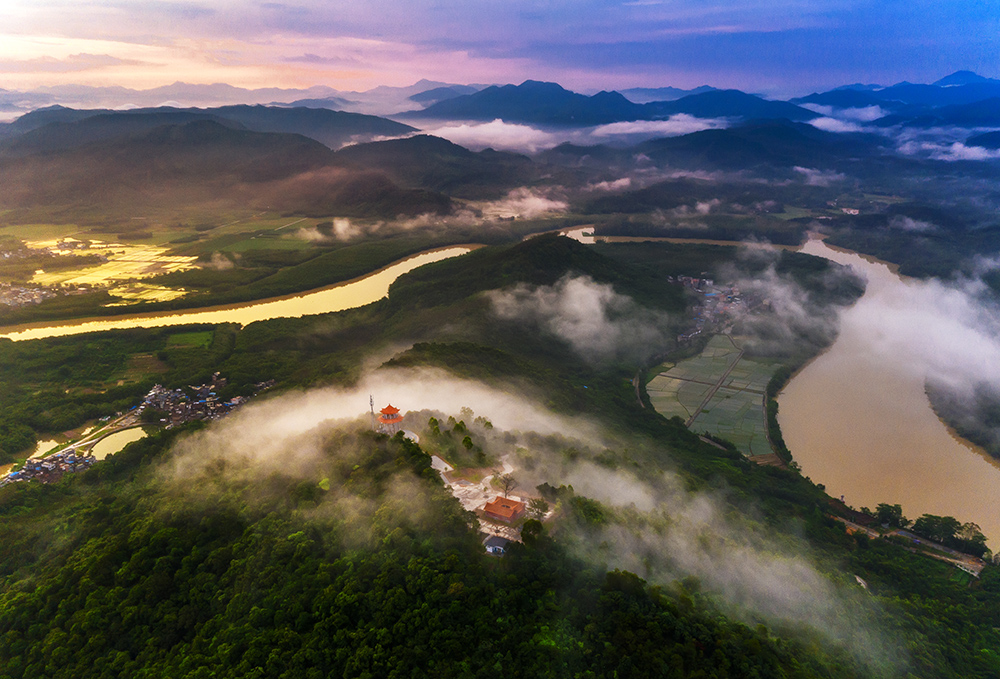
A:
{"x": 125, "y": 262}
{"x": 141, "y": 292}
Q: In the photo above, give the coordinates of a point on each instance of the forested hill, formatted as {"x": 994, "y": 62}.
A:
{"x": 199, "y": 552}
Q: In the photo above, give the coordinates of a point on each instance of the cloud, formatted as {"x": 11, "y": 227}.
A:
{"x": 523, "y": 203}
{"x": 784, "y": 317}
{"x": 834, "y": 125}
{"x": 904, "y": 223}
{"x": 506, "y": 136}
{"x": 814, "y": 177}
{"x": 340, "y": 229}
{"x": 864, "y": 115}
{"x": 220, "y": 262}
{"x": 665, "y": 533}
{"x": 959, "y": 151}
{"x": 658, "y": 528}
{"x": 316, "y": 59}
{"x": 499, "y": 135}
{"x": 953, "y": 152}
{"x": 615, "y": 185}
{"x": 597, "y": 322}
{"x": 72, "y": 63}
{"x": 279, "y": 434}
{"x": 678, "y": 124}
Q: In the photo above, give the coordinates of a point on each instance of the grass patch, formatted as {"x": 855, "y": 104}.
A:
{"x": 735, "y": 411}
{"x": 189, "y": 340}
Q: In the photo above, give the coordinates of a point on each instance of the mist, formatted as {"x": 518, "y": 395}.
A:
{"x": 597, "y": 323}
{"x": 784, "y": 317}
{"x": 656, "y": 527}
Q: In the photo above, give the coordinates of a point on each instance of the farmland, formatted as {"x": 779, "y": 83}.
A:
{"x": 719, "y": 392}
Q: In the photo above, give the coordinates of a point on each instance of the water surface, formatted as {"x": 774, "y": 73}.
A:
{"x": 113, "y": 443}
{"x": 865, "y": 429}
{"x": 339, "y": 297}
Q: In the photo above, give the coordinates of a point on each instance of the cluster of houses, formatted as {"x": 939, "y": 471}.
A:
{"x": 716, "y": 304}
{"x": 50, "y": 468}
{"x": 23, "y": 295}
{"x": 204, "y": 404}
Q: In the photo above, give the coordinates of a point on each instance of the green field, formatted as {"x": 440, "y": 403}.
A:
{"x": 734, "y": 412}
{"x": 201, "y": 338}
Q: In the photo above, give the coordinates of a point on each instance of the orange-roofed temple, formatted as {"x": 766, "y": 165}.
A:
{"x": 504, "y": 509}
{"x": 390, "y": 419}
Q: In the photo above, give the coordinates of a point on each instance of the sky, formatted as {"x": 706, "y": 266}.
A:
{"x": 774, "y": 46}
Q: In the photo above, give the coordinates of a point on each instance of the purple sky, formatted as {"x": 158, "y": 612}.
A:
{"x": 776, "y": 46}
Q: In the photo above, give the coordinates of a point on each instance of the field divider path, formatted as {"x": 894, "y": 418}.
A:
{"x": 291, "y": 223}
{"x": 716, "y": 386}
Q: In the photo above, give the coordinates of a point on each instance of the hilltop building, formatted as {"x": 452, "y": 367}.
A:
{"x": 504, "y": 509}
{"x": 389, "y": 420}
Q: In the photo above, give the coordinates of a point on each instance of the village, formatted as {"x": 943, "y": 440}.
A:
{"x": 167, "y": 407}
{"x": 715, "y": 305}
{"x": 177, "y": 407}
{"x": 22, "y": 295}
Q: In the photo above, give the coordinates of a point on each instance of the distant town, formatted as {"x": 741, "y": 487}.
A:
{"x": 716, "y": 305}
{"x": 161, "y": 406}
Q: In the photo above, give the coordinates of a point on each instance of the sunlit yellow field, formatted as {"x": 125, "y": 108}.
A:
{"x": 125, "y": 262}
{"x": 141, "y": 292}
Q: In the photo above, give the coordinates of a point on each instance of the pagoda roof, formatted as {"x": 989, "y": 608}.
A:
{"x": 504, "y": 507}
{"x": 389, "y": 410}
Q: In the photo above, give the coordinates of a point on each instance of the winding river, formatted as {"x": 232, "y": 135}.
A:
{"x": 863, "y": 426}
{"x": 346, "y": 295}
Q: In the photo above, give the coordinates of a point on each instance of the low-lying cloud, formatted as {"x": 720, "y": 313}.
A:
{"x": 784, "y": 318}
{"x": 519, "y": 137}
{"x": 835, "y": 125}
{"x": 499, "y": 135}
{"x": 338, "y": 229}
{"x": 904, "y": 223}
{"x": 659, "y": 529}
{"x": 597, "y": 322}
{"x": 673, "y": 126}
{"x": 524, "y": 203}
{"x": 864, "y": 114}
{"x": 814, "y": 177}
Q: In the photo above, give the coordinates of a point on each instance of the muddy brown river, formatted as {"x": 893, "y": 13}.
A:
{"x": 864, "y": 428}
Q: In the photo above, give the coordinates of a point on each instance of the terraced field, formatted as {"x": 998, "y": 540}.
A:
{"x": 719, "y": 392}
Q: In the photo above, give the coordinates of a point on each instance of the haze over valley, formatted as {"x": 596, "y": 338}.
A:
{"x": 577, "y": 340}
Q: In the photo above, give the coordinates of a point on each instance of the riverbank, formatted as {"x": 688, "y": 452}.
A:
{"x": 858, "y": 419}
{"x": 336, "y": 297}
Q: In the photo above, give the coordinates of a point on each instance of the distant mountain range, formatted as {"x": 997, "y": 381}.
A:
{"x": 644, "y": 95}
{"x": 61, "y": 128}
{"x": 436, "y": 164}
{"x": 962, "y": 99}
{"x": 544, "y": 103}
{"x": 191, "y": 162}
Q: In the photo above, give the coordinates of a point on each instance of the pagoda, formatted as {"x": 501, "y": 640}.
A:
{"x": 389, "y": 420}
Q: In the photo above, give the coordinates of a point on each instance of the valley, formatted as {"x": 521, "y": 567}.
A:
{"x": 635, "y": 322}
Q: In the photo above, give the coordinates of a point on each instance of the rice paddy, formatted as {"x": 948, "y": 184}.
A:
{"x": 124, "y": 262}
{"x": 719, "y": 392}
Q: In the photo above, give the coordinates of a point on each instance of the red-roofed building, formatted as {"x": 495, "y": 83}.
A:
{"x": 390, "y": 419}
{"x": 504, "y": 509}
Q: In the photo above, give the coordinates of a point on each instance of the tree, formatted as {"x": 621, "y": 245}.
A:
{"x": 891, "y": 515}
{"x": 507, "y": 483}
{"x": 538, "y": 508}
{"x": 530, "y": 531}
{"x": 938, "y": 528}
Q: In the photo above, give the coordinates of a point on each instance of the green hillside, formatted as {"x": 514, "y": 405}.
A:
{"x": 169, "y": 560}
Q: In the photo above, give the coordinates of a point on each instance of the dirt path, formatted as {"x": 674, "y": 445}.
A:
{"x": 716, "y": 386}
